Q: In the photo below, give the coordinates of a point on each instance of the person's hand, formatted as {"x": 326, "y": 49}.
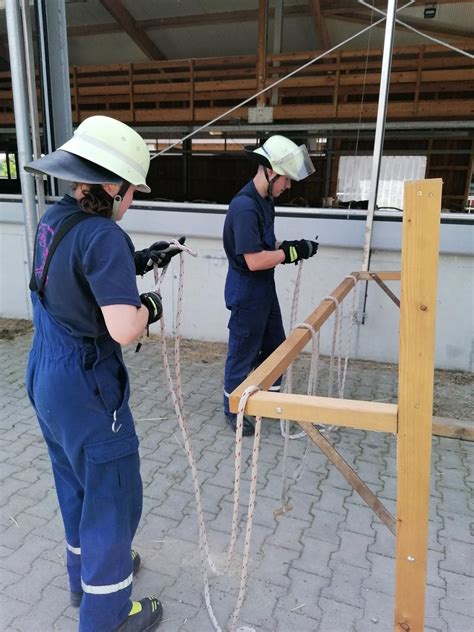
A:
{"x": 298, "y": 249}
{"x": 152, "y": 301}
{"x": 160, "y": 253}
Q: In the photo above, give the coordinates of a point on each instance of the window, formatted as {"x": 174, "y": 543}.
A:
{"x": 8, "y": 166}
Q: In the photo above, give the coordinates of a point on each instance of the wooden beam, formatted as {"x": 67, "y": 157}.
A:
{"x": 454, "y": 428}
{"x": 328, "y": 7}
{"x": 262, "y": 49}
{"x": 281, "y": 358}
{"x": 193, "y": 20}
{"x": 385, "y": 288}
{"x": 128, "y": 24}
{"x": 350, "y": 475}
{"x": 320, "y": 25}
{"x": 347, "y": 413}
{"x": 386, "y": 275}
{"x": 419, "y": 268}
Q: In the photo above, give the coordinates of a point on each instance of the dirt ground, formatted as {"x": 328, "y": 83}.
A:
{"x": 453, "y": 390}
{"x": 11, "y": 327}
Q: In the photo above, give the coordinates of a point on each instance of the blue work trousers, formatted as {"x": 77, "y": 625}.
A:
{"x": 79, "y": 389}
{"x": 255, "y": 326}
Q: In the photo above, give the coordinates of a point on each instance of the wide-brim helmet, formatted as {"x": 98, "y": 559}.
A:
{"x": 102, "y": 151}
{"x": 65, "y": 166}
{"x": 284, "y": 157}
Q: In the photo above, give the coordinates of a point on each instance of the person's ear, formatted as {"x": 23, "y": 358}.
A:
{"x": 111, "y": 189}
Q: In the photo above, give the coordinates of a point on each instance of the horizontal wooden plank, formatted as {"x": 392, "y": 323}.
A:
{"x": 454, "y": 428}
{"x": 385, "y": 275}
{"x": 347, "y": 413}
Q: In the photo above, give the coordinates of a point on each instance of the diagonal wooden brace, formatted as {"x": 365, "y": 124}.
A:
{"x": 349, "y": 474}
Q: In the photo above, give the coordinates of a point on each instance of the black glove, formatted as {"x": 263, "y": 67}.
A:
{"x": 160, "y": 253}
{"x": 152, "y": 301}
{"x": 298, "y": 249}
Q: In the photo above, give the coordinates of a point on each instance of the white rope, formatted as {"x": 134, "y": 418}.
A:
{"x": 352, "y": 318}
{"x": 284, "y": 423}
{"x": 334, "y": 341}
{"x": 313, "y": 380}
{"x": 252, "y": 496}
{"x": 177, "y": 399}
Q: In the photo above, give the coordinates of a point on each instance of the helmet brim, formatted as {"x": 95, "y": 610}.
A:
{"x": 254, "y": 152}
{"x": 66, "y": 166}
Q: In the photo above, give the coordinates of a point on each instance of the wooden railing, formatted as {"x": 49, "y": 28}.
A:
{"x": 427, "y": 82}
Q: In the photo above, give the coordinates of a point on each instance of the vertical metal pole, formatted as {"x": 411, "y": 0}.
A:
{"x": 32, "y": 100}
{"x": 378, "y": 144}
{"x": 380, "y": 127}
{"x": 20, "y": 102}
{"x": 52, "y": 32}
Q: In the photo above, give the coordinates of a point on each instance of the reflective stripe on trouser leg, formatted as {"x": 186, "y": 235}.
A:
{"x": 112, "y": 508}
{"x": 63, "y": 377}
{"x": 108, "y": 589}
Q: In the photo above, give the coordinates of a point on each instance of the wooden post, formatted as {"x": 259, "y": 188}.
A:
{"x": 131, "y": 86}
{"x": 191, "y": 90}
{"x": 262, "y": 50}
{"x": 419, "y": 273}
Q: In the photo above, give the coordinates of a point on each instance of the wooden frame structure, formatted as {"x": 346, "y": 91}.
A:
{"x": 427, "y": 82}
{"x": 410, "y": 419}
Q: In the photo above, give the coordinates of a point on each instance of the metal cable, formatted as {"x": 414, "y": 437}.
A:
{"x": 272, "y": 85}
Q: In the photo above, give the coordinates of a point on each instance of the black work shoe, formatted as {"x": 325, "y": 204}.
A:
{"x": 144, "y": 616}
{"x": 76, "y": 597}
{"x": 248, "y": 428}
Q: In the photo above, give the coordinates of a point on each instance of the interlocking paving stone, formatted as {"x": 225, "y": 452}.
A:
{"x": 327, "y": 565}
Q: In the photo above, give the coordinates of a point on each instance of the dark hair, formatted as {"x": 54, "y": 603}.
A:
{"x": 96, "y": 201}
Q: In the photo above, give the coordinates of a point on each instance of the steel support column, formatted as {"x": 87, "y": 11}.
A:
{"x": 20, "y": 102}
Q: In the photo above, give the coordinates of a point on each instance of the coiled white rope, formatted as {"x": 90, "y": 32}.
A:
{"x": 177, "y": 399}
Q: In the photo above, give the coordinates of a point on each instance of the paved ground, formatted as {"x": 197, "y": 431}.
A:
{"x": 326, "y": 566}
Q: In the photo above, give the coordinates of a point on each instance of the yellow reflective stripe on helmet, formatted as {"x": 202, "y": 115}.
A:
{"x": 293, "y": 254}
{"x": 107, "y": 589}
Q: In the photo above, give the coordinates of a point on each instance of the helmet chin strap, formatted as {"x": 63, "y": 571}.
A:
{"x": 270, "y": 182}
{"x": 118, "y": 200}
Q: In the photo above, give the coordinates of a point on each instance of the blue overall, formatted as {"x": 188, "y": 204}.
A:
{"x": 255, "y": 324}
{"x": 79, "y": 388}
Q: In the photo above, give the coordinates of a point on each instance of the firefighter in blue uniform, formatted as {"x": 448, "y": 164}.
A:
{"x": 255, "y": 324}
{"x": 85, "y": 305}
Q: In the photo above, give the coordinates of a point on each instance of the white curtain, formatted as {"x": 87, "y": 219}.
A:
{"x": 353, "y": 180}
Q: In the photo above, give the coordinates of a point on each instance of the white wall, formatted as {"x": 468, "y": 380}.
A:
{"x": 341, "y": 239}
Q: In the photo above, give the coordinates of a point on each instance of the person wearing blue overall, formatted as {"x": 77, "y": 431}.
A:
{"x": 255, "y": 324}
{"x": 85, "y": 305}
